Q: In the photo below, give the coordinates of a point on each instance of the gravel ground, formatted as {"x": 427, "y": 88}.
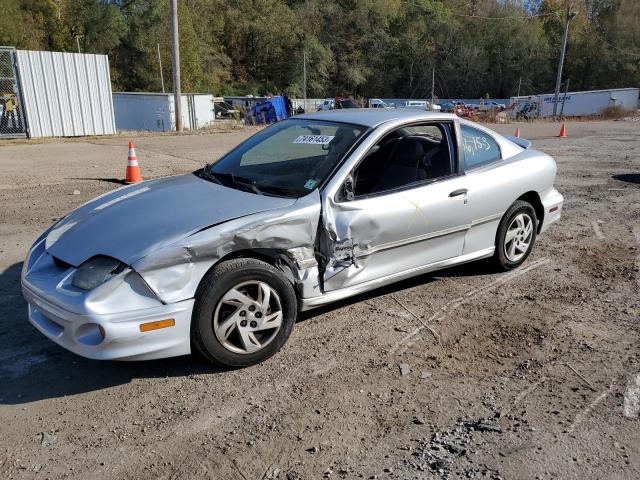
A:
{"x": 538, "y": 375}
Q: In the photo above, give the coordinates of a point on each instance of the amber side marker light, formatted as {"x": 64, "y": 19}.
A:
{"x": 147, "y": 327}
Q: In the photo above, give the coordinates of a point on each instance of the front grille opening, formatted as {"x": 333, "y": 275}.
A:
{"x": 61, "y": 263}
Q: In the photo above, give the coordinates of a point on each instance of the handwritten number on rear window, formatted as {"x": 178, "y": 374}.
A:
{"x": 473, "y": 144}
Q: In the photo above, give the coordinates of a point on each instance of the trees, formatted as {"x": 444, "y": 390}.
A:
{"x": 353, "y": 47}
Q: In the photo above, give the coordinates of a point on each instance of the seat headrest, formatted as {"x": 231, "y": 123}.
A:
{"x": 409, "y": 152}
{"x": 344, "y": 136}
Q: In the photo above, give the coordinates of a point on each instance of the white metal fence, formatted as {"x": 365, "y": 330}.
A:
{"x": 66, "y": 94}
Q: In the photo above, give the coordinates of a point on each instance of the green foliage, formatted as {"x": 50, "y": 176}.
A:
{"x": 380, "y": 48}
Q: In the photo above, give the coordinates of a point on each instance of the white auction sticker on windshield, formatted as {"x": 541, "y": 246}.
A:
{"x": 314, "y": 139}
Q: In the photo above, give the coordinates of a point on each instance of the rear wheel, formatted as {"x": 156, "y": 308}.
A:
{"x": 516, "y": 235}
{"x": 244, "y": 313}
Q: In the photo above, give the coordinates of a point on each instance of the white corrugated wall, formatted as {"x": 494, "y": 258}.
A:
{"x": 66, "y": 94}
{"x": 142, "y": 111}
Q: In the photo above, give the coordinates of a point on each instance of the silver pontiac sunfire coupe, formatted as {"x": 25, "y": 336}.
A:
{"x": 308, "y": 211}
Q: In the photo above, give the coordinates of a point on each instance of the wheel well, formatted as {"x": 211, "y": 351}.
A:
{"x": 534, "y": 199}
{"x": 276, "y": 258}
{"x": 268, "y": 256}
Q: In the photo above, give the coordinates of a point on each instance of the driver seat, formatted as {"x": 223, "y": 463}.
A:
{"x": 404, "y": 166}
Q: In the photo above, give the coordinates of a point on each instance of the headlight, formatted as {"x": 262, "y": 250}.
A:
{"x": 96, "y": 271}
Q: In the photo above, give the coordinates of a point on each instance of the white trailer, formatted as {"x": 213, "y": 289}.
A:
{"x": 576, "y": 104}
{"x": 155, "y": 111}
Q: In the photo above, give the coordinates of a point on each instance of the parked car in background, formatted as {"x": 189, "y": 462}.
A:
{"x": 328, "y": 104}
{"x": 344, "y": 103}
{"x": 447, "y": 106}
{"x": 309, "y": 211}
{"x": 421, "y": 105}
{"x": 486, "y": 105}
{"x": 337, "y": 103}
{"x": 377, "y": 103}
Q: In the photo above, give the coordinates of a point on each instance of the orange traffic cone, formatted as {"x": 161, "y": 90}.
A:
{"x": 563, "y": 131}
{"x": 133, "y": 169}
{"x": 517, "y": 132}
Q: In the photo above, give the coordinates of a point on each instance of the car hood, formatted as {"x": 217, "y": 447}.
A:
{"x": 129, "y": 223}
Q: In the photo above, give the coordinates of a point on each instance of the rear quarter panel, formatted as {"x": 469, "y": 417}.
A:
{"x": 493, "y": 188}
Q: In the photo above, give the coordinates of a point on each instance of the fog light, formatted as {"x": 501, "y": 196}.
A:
{"x": 146, "y": 327}
{"x": 90, "y": 334}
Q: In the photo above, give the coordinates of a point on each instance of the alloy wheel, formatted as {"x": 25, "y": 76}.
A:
{"x": 248, "y": 317}
{"x": 517, "y": 240}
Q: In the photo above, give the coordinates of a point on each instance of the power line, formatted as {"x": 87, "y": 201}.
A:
{"x": 628, "y": 52}
{"x": 526, "y": 17}
{"x": 482, "y": 17}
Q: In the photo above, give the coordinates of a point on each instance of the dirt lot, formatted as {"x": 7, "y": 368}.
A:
{"x": 539, "y": 376}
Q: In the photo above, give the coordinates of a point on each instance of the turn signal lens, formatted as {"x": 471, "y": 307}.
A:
{"x": 147, "y": 327}
{"x": 553, "y": 209}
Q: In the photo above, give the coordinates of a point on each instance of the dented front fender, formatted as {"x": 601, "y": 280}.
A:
{"x": 174, "y": 272}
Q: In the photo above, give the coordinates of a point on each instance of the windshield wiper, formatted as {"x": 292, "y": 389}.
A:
{"x": 277, "y": 191}
{"x": 247, "y": 182}
{"x": 207, "y": 174}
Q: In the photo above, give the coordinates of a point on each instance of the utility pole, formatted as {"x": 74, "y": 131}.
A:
{"x": 160, "y": 63}
{"x": 304, "y": 78}
{"x": 569, "y": 16}
{"x": 433, "y": 85}
{"x": 564, "y": 99}
{"x": 519, "y": 85}
{"x": 78, "y": 43}
{"x": 175, "y": 50}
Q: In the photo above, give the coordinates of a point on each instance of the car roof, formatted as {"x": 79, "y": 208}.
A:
{"x": 372, "y": 117}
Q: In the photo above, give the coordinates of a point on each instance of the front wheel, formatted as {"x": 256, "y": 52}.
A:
{"x": 244, "y": 313}
{"x": 516, "y": 235}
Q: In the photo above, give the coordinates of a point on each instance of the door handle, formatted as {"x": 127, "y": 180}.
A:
{"x": 457, "y": 193}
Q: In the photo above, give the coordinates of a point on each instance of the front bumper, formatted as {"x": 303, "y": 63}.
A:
{"x": 123, "y": 340}
{"x": 103, "y": 323}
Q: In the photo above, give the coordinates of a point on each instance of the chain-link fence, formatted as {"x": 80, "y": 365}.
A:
{"x": 11, "y": 115}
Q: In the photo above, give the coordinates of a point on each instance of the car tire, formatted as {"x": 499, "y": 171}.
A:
{"x": 516, "y": 236}
{"x": 228, "y": 307}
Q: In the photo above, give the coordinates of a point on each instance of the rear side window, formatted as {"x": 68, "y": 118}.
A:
{"x": 479, "y": 147}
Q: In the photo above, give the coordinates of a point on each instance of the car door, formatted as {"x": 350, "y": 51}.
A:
{"x": 398, "y": 224}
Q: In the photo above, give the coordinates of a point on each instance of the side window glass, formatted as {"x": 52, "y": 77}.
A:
{"x": 479, "y": 147}
{"x": 407, "y": 156}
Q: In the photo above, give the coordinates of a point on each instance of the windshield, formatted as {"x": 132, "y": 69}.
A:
{"x": 290, "y": 158}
